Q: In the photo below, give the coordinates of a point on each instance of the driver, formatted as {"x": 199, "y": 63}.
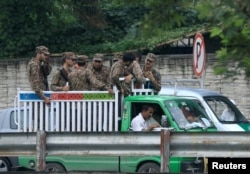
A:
{"x": 142, "y": 121}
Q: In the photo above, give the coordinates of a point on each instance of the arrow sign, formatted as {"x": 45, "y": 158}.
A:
{"x": 199, "y": 54}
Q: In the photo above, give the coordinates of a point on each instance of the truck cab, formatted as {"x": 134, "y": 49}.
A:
{"x": 224, "y": 114}
{"x": 175, "y": 109}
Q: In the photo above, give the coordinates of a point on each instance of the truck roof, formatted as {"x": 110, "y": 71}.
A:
{"x": 153, "y": 98}
{"x": 184, "y": 91}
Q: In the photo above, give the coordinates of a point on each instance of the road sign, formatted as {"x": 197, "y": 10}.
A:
{"x": 199, "y": 54}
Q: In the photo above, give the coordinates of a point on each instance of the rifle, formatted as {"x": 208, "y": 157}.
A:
{"x": 45, "y": 77}
{"x": 64, "y": 74}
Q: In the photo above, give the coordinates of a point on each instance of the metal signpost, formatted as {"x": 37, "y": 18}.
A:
{"x": 199, "y": 57}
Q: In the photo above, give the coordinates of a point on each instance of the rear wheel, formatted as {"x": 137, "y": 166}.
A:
{"x": 4, "y": 165}
{"x": 149, "y": 167}
{"x": 54, "y": 167}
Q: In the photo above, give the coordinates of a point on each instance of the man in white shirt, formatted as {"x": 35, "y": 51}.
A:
{"x": 228, "y": 114}
{"x": 141, "y": 121}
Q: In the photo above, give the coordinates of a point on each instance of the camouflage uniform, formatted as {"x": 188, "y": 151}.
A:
{"x": 117, "y": 56}
{"x": 118, "y": 70}
{"x": 83, "y": 79}
{"x": 82, "y": 61}
{"x": 101, "y": 74}
{"x": 135, "y": 69}
{"x": 60, "y": 79}
{"x": 37, "y": 73}
{"x": 156, "y": 84}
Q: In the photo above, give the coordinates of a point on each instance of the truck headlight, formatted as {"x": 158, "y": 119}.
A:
{"x": 32, "y": 163}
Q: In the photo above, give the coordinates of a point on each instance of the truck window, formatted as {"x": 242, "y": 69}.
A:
{"x": 137, "y": 107}
{"x": 176, "y": 113}
{"x": 188, "y": 114}
{"x": 13, "y": 125}
{"x": 224, "y": 109}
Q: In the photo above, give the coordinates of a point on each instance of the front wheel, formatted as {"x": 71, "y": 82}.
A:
{"x": 54, "y": 167}
{"x": 4, "y": 165}
{"x": 149, "y": 167}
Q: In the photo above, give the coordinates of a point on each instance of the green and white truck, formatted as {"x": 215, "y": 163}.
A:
{"x": 97, "y": 111}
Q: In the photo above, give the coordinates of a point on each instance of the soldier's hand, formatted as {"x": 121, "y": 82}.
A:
{"x": 111, "y": 92}
{"x": 128, "y": 78}
{"x": 149, "y": 75}
{"x": 47, "y": 101}
{"x": 65, "y": 88}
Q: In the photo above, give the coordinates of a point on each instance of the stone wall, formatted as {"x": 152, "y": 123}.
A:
{"x": 13, "y": 76}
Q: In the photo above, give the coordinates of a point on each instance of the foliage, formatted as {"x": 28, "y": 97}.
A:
{"x": 162, "y": 15}
{"x": 90, "y": 26}
{"x": 26, "y": 24}
{"x": 143, "y": 43}
{"x": 229, "y": 20}
{"x": 145, "y": 27}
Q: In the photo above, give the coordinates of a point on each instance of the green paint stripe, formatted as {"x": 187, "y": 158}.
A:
{"x": 245, "y": 126}
{"x": 98, "y": 96}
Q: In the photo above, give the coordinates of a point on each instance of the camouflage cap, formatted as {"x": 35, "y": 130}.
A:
{"x": 68, "y": 55}
{"x": 98, "y": 57}
{"x": 42, "y": 49}
{"x": 118, "y": 56}
{"x": 82, "y": 58}
{"x": 151, "y": 57}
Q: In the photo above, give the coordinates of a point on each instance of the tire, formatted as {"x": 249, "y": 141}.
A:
{"x": 4, "y": 165}
{"x": 54, "y": 167}
{"x": 149, "y": 167}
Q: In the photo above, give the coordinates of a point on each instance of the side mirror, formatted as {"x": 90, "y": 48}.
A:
{"x": 164, "y": 121}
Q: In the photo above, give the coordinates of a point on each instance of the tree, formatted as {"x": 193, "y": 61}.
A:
{"x": 163, "y": 15}
{"x": 23, "y": 26}
{"x": 90, "y": 26}
{"x": 153, "y": 22}
{"x": 230, "y": 21}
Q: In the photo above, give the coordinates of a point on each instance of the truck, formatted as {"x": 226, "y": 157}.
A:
{"x": 215, "y": 105}
{"x": 7, "y": 163}
{"x": 98, "y": 111}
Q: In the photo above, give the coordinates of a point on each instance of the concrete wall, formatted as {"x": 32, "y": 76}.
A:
{"x": 13, "y": 76}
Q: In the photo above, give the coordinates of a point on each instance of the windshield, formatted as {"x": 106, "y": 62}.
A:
{"x": 188, "y": 114}
{"x": 225, "y": 110}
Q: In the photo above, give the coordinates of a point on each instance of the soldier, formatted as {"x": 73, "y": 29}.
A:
{"x": 38, "y": 69}
{"x": 100, "y": 71}
{"x": 117, "y": 56}
{"x": 119, "y": 69}
{"x": 83, "y": 61}
{"x": 75, "y": 64}
{"x": 74, "y": 83}
{"x": 60, "y": 79}
{"x": 153, "y": 75}
{"x": 138, "y": 58}
{"x": 83, "y": 79}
